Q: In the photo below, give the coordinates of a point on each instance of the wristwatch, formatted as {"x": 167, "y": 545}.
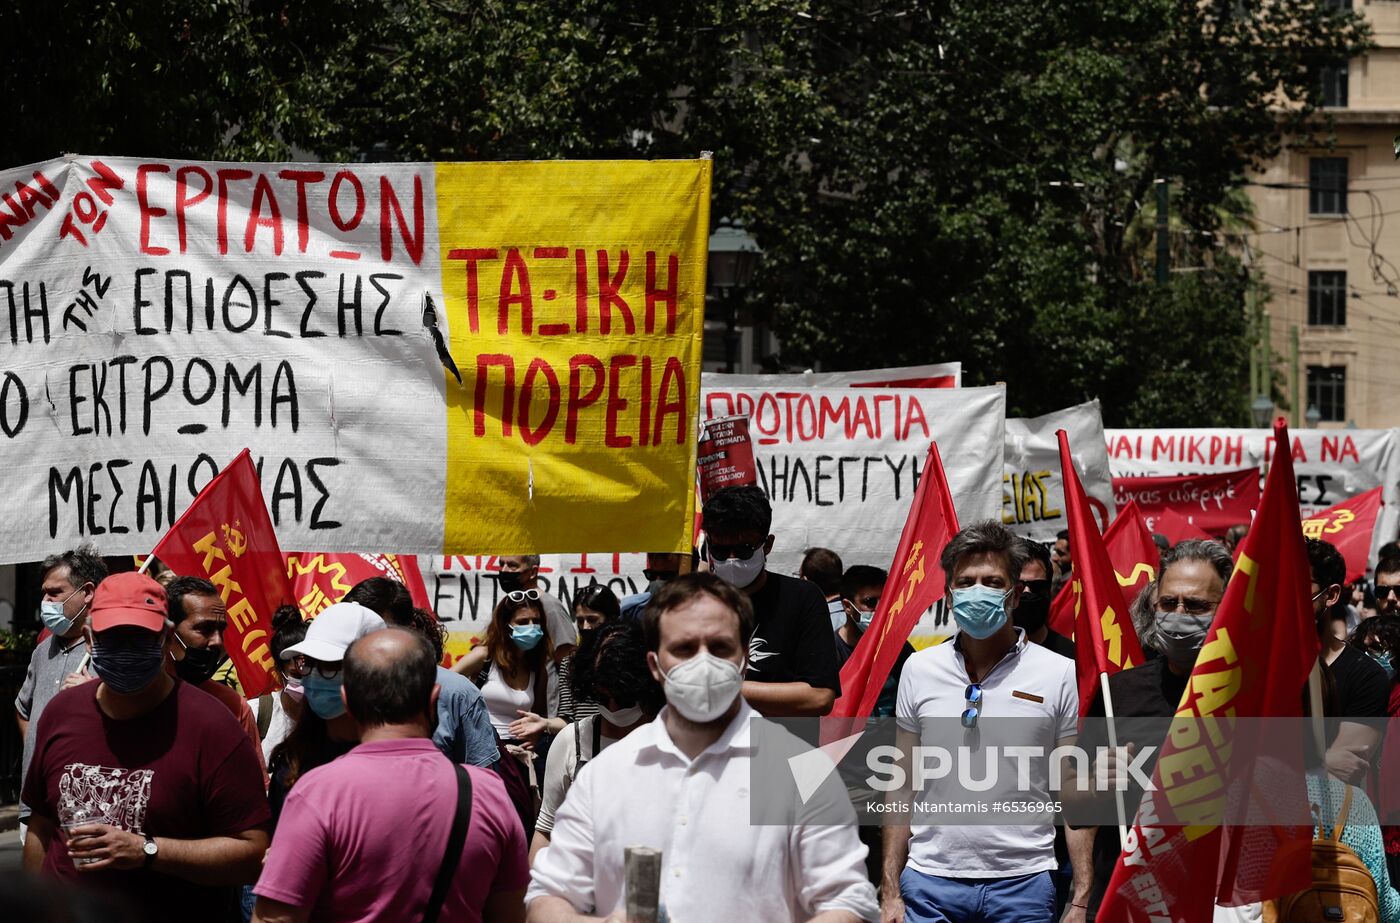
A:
{"x": 150, "y": 849}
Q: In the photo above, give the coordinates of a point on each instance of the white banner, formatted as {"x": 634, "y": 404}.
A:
{"x": 937, "y": 375}
{"x": 1033, "y": 494}
{"x": 1330, "y": 465}
{"x": 840, "y": 465}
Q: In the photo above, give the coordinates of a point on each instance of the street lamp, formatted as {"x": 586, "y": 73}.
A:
{"x": 733, "y": 257}
{"x": 1261, "y": 408}
{"x": 1313, "y": 416}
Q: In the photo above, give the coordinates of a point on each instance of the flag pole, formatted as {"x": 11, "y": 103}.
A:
{"x": 1315, "y": 706}
{"x": 1113, "y": 743}
{"x": 146, "y": 564}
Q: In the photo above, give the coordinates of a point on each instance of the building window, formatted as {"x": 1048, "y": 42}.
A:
{"x": 1327, "y": 391}
{"x": 1327, "y": 299}
{"x": 1334, "y": 85}
{"x": 1327, "y": 186}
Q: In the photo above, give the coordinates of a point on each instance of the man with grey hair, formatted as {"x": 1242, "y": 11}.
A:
{"x": 948, "y": 872}
{"x": 68, "y": 582}
{"x": 1183, "y": 600}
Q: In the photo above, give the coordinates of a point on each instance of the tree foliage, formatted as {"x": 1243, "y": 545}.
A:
{"x": 929, "y": 180}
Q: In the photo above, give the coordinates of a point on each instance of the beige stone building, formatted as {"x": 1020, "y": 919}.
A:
{"x": 1328, "y": 244}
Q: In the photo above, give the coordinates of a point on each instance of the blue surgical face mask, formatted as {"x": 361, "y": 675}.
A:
{"x": 1385, "y": 663}
{"x": 323, "y": 695}
{"x": 526, "y": 637}
{"x": 980, "y": 611}
{"x": 53, "y": 616}
{"x": 865, "y": 618}
{"x": 838, "y": 613}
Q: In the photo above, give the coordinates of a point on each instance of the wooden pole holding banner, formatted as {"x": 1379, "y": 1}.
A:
{"x": 642, "y": 878}
{"x": 1113, "y": 743}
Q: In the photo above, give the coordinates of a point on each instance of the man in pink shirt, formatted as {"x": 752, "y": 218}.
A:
{"x": 362, "y": 838}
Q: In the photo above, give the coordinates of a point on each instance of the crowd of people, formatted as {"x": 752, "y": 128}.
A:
{"x": 378, "y": 783}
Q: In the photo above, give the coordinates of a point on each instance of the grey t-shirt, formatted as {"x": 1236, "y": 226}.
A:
{"x": 51, "y": 661}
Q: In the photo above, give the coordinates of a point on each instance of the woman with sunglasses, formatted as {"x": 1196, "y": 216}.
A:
{"x": 511, "y": 667}
{"x": 324, "y": 730}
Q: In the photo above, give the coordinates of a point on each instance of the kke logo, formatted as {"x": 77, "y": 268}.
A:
{"x": 810, "y": 769}
{"x": 234, "y": 540}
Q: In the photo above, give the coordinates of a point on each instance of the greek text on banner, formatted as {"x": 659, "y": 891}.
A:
{"x": 158, "y": 316}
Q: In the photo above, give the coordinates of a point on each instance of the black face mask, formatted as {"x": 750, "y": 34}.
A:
{"x": 510, "y": 580}
{"x": 199, "y": 663}
{"x": 1031, "y": 612}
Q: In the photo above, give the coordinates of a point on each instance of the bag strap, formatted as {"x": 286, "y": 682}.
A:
{"x": 456, "y": 839}
{"x": 264, "y": 715}
{"x": 1341, "y": 820}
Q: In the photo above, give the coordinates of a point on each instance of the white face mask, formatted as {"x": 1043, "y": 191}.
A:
{"x": 737, "y": 573}
{"x": 703, "y": 687}
{"x": 623, "y": 717}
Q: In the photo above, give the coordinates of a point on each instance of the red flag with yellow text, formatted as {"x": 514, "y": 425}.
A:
{"x": 1261, "y": 646}
{"x": 1104, "y": 638}
{"x": 1349, "y": 526}
{"x": 323, "y": 578}
{"x": 1134, "y": 557}
{"x": 227, "y": 538}
{"x": 915, "y": 583}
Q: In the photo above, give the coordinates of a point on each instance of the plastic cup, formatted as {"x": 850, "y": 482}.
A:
{"x": 71, "y": 820}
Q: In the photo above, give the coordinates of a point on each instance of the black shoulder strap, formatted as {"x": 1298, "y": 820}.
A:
{"x": 264, "y": 715}
{"x": 455, "y": 841}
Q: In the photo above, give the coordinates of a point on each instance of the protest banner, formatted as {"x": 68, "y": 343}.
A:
{"x": 1349, "y": 526}
{"x": 938, "y": 375}
{"x": 1330, "y": 465}
{"x": 322, "y": 579}
{"x": 1033, "y": 496}
{"x": 463, "y": 590}
{"x": 1210, "y": 502}
{"x": 433, "y": 358}
{"x": 841, "y": 465}
{"x": 725, "y": 456}
{"x": 227, "y": 538}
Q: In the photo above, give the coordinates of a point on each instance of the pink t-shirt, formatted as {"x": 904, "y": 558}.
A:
{"x": 361, "y": 838}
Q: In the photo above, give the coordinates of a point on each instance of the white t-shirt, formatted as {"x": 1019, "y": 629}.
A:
{"x": 561, "y": 768}
{"x": 504, "y": 702}
{"x": 1030, "y": 682}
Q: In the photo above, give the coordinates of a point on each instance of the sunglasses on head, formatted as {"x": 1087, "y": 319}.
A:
{"x": 658, "y": 574}
{"x": 517, "y": 596}
{"x": 724, "y": 552}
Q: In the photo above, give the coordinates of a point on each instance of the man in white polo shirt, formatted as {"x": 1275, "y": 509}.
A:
{"x": 998, "y": 871}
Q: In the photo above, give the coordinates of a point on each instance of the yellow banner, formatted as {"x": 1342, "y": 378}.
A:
{"x": 575, "y": 300}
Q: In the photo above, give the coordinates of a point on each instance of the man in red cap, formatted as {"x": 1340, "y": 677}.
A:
{"x": 142, "y": 785}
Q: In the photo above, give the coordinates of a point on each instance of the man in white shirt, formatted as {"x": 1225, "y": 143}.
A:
{"x": 681, "y": 785}
{"x": 998, "y": 872}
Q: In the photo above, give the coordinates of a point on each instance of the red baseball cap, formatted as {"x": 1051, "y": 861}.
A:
{"x": 128, "y": 599}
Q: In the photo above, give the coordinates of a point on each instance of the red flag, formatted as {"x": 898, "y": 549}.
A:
{"x": 1105, "y": 640}
{"x": 915, "y": 584}
{"x": 318, "y": 580}
{"x": 1134, "y": 556}
{"x": 1349, "y": 525}
{"x": 226, "y": 537}
{"x": 1255, "y": 661}
{"x": 1178, "y": 528}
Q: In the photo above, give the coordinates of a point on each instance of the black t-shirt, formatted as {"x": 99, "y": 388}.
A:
{"x": 1362, "y": 688}
{"x": 1054, "y": 641}
{"x": 1151, "y": 691}
{"x": 792, "y": 640}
